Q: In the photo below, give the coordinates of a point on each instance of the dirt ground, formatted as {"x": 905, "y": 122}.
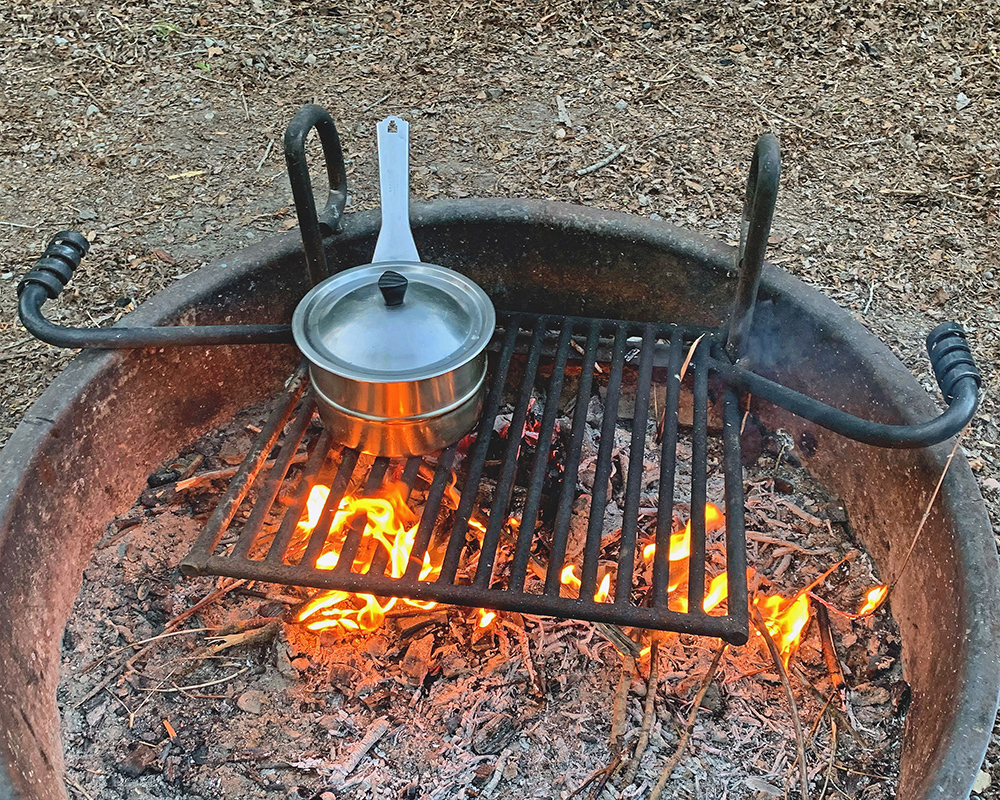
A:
{"x": 155, "y": 128}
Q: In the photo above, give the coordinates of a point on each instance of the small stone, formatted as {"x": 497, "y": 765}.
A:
{"x": 983, "y": 781}
{"x": 310, "y": 59}
{"x": 962, "y": 101}
{"x": 493, "y": 735}
{"x": 83, "y": 214}
{"x": 377, "y": 646}
{"x": 251, "y": 702}
{"x": 494, "y": 93}
{"x": 301, "y": 663}
{"x": 621, "y": 105}
{"x": 141, "y": 761}
{"x": 209, "y": 115}
{"x": 417, "y": 660}
{"x": 91, "y": 110}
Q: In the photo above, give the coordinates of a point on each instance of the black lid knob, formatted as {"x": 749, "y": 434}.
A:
{"x": 393, "y": 287}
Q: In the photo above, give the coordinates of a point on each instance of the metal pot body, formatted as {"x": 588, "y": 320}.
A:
{"x": 419, "y": 416}
{"x": 397, "y": 355}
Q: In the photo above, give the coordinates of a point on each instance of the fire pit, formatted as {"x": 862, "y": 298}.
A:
{"x": 87, "y": 446}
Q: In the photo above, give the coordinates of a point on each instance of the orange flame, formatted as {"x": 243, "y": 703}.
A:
{"x": 388, "y": 524}
{"x": 568, "y": 578}
{"x": 601, "y": 595}
{"x": 785, "y": 620}
{"x": 873, "y": 599}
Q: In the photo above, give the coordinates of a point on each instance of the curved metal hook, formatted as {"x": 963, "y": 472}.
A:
{"x": 758, "y": 210}
{"x": 313, "y": 226}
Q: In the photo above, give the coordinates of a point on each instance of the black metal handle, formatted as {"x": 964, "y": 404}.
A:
{"x": 312, "y": 225}
{"x": 951, "y": 358}
{"x": 956, "y": 374}
{"x": 758, "y": 211}
{"x": 393, "y": 287}
{"x": 57, "y": 264}
{"x": 52, "y": 272}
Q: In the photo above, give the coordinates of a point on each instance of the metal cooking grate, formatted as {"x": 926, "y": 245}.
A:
{"x": 514, "y": 566}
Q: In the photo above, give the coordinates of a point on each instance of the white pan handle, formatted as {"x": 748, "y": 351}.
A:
{"x": 395, "y": 239}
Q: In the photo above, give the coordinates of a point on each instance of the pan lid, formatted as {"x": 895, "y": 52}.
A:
{"x": 393, "y": 321}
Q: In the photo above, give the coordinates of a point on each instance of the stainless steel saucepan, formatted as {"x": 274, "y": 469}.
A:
{"x": 396, "y": 348}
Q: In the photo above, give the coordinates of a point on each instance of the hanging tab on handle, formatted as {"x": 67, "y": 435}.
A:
{"x": 395, "y": 239}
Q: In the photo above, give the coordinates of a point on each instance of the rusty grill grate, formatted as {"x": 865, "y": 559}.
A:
{"x": 513, "y": 566}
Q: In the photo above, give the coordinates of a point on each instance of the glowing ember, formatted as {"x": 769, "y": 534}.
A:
{"x": 785, "y": 620}
{"x": 388, "y": 525}
{"x": 873, "y": 599}
{"x": 486, "y": 617}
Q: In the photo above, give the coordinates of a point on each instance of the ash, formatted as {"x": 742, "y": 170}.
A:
{"x": 238, "y": 700}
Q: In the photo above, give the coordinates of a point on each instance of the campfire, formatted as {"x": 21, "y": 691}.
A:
{"x": 372, "y": 650}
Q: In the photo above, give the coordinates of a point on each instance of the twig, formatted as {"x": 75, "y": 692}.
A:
{"x": 267, "y": 152}
{"x": 246, "y": 108}
{"x": 783, "y": 118}
{"x": 207, "y": 600}
{"x": 833, "y": 757}
{"x": 661, "y": 426}
{"x": 226, "y": 472}
{"x": 601, "y": 776}
{"x": 129, "y": 646}
{"x": 77, "y": 787}
{"x": 923, "y": 521}
{"x": 603, "y": 162}
{"x": 621, "y": 704}
{"x": 370, "y": 106}
{"x": 375, "y": 732}
{"x": 176, "y": 688}
{"x": 761, "y": 626}
{"x": 835, "y": 713}
{"x": 675, "y": 759}
{"x": 497, "y": 776}
{"x": 859, "y": 144}
{"x": 19, "y": 225}
{"x": 537, "y": 686}
{"x": 830, "y": 657}
{"x": 647, "y": 711}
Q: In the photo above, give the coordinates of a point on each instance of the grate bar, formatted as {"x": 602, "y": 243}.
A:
{"x": 247, "y": 473}
{"x": 636, "y": 468}
{"x": 456, "y": 542}
{"x": 736, "y": 545}
{"x": 529, "y": 515}
{"x": 352, "y": 541}
{"x": 317, "y": 540}
{"x": 605, "y": 450}
{"x": 560, "y": 534}
{"x": 254, "y": 524}
{"x": 320, "y": 455}
{"x": 699, "y": 475}
{"x": 505, "y": 485}
{"x": 668, "y": 470}
{"x": 429, "y": 515}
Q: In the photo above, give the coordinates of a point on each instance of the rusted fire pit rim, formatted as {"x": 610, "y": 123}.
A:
{"x": 442, "y": 230}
